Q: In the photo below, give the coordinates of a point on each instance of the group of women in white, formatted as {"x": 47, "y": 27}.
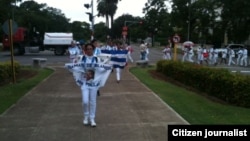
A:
{"x": 209, "y": 55}
{"x": 227, "y": 56}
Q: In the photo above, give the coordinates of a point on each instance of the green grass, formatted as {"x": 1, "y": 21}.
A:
{"x": 10, "y": 94}
{"x": 193, "y": 107}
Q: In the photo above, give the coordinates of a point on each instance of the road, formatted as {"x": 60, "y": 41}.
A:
{"x": 154, "y": 56}
{"x": 27, "y": 58}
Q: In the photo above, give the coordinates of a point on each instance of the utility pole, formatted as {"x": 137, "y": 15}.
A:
{"x": 189, "y": 18}
{"x": 13, "y": 11}
{"x": 91, "y": 17}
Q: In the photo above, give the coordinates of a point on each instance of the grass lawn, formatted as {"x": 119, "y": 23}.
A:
{"x": 11, "y": 93}
{"x": 193, "y": 107}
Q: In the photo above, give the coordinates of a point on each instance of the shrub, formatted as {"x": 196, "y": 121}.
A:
{"x": 220, "y": 83}
{"x": 6, "y": 73}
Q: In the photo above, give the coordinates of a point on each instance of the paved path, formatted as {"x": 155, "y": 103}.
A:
{"x": 52, "y": 111}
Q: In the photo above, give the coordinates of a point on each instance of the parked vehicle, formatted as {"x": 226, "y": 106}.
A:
{"x": 235, "y": 47}
{"x": 57, "y": 42}
{"x": 25, "y": 41}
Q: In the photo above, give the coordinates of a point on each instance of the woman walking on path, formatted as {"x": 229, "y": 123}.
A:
{"x": 119, "y": 67}
{"x": 89, "y": 88}
{"x": 93, "y": 75}
{"x": 73, "y": 51}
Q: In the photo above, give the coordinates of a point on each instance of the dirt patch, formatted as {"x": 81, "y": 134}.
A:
{"x": 22, "y": 75}
{"x": 26, "y": 74}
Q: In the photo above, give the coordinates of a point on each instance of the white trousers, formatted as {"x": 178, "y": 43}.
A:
{"x": 215, "y": 59}
{"x": 130, "y": 57}
{"x": 166, "y": 56}
{"x": 238, "y": 59}
{"x": 118, "y": 74}
{"x": 190, "y": 58}
{"x": 89, "y": 101}
{"x": 184, "y": 57}
{"x": 243, "y": 61}
{"x": 230, "y": 60}
{"x": 199, "y": 58}
{"x": 210, "y": 58}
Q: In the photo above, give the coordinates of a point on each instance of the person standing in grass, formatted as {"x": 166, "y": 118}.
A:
{"x": 143, "y": 50}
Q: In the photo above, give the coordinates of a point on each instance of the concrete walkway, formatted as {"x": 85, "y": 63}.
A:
{"x": 126, "y": 111}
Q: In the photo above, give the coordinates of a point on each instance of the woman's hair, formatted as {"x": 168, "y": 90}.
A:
{"x": 89, "y": 44}
{"x": 92, "y": 41}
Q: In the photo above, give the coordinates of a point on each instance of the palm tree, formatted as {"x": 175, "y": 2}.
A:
{"x": 107, "y": 8}
{"x": 102, "y": 10}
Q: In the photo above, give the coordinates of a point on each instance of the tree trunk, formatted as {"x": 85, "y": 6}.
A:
{"x": 107, "y": 20}
{"x": 112, "y": 21}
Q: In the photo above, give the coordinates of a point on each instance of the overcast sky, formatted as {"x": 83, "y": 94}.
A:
{"x": 74, "y": 9}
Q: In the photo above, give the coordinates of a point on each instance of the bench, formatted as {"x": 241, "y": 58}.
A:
{"x": 39, "y": 62}
{"x": 142, "y": 63}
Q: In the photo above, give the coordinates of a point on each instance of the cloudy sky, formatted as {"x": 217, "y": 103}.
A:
{"x": 74, "y": 9}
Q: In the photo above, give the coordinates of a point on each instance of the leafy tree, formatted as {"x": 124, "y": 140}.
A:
{"x": 102, "y": 9}
{"x": 156, "y": 18}
{"x": 81, "y": 30}
{"x": 135, "y": 29}
{"x": 198, "y": 20}
{"x": 235, "y": 18}
{"x": 202, "y": 20}
{"x": 218, "y": 16}
{"x": 101, "y": 31}
{"x": 40, "y": 18}
{"x": 7, "y": 9}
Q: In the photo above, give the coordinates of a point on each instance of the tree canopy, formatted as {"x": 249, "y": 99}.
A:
{"x": 202, "y": 21}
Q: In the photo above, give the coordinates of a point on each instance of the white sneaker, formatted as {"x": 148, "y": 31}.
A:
{"x": 92, "y": 123}
{"x": 86, "y": 121}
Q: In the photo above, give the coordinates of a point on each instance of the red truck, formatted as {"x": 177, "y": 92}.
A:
{"x": 21, "y": 39}
{"x": 31, "y": 42}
